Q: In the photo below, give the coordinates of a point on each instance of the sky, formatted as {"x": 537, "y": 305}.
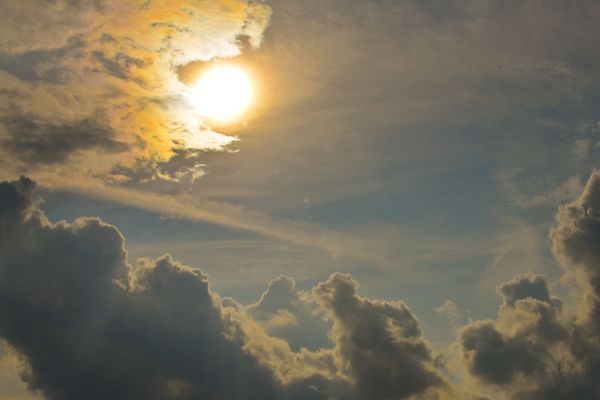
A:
{"x": 408, "y": 208}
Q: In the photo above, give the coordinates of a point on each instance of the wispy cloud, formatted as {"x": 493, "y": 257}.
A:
{"x": 112, "y": 63}
{"x": 384, "y": 247}
{"x": 227, "y": 215}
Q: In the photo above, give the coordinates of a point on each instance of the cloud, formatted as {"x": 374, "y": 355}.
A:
{"x": 536, "y": 349}
{"x": 35, "y": 142}
{"x": 334, "y": 242}
{"x": 524, "y": 287}
{"x": 114, "y": 62}
{"x": 90, "y": 325}
{"x": 575, "y": 241}
{"x": 495, "y": 359}
{"x": 61, "y": 18}
{"x": 378, "y": 343}
{"x": 93, "y": 298}
{"x": 42, "y": 66}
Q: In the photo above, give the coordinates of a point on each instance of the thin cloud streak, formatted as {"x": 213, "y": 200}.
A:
{"x": 310, "y": 235}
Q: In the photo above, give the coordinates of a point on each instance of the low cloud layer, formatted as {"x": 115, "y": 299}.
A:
{"x": 90, "y": 325}
{"x": 537, "y": 349}
{"x": 378, "y": 343}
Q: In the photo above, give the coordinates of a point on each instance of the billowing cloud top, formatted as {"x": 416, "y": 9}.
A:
{"x": 90, "y": 325}
{"x": 536, "y": 349}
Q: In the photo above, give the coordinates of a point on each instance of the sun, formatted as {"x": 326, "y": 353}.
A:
{"x": 223, "y": 93}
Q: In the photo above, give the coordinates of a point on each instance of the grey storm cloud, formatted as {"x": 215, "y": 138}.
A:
{"x": 378, "y": 342}
{"x": 533, "y": 351}
{"x": 91, "y": 326}
{"x": 523, "y": 287}
{"x": 536, "y": 349}
{"x": 497, "y": 359}
{"x": 35, "y": 141}
{"x": 576, "y": 243}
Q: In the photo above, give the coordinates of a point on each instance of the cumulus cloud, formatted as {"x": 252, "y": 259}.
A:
{"x": 65, "y": 63}
{"x": 524, "y": 287}
{"x": 88, "y": 306}
{"x": 536, "y": 349}
{"x": 378, "y": 343}
{"x": 575, "y": 243}
{"x": 90, "y": 325}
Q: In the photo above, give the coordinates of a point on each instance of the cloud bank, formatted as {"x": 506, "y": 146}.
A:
{"x": 92, "y": 327}
{"x": 536, "y": 349}
{"x": 88, "y": 324}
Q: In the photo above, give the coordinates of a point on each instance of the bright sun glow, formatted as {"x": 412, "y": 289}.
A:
{"x": 223, "y": 93}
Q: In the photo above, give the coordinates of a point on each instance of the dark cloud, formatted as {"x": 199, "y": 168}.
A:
{"x": 378, "y": 343}
{"x": 535, "y": 349}
{"x": 533, "y": 352}
{"x": 523, "y": 287}
{"x": 497, "y": 359}
{"x": 90, "y": 327}
{"x": 575, "y": 243}
{"x": 34, "y": 141}
{"x": 524, "y": 348}
{"x": 119, "y": 65}
{"x": 42, "y": 66}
